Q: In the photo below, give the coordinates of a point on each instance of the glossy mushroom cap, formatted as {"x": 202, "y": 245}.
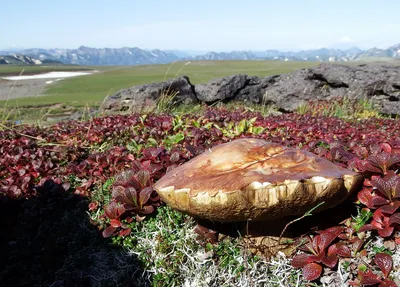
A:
{"x": 255, "y": 179}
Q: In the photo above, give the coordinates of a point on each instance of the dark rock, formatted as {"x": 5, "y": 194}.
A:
{"x": 221, "y": 89}
{"x": 138, "y": 95}
{"x": 255, "y": 89}
{"x": 380, "y": 84}
{"x": 377, "y": 83}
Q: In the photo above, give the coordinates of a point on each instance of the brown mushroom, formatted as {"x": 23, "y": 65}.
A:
{"x": 252, "y": 179}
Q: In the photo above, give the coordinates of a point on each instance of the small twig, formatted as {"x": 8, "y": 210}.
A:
{"x": 308, "y": 213}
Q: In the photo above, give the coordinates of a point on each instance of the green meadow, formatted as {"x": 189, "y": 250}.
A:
{"x": 91, "y": 90}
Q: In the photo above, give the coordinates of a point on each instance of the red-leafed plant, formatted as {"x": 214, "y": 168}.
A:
{"x": 320, "y": 252}
{"x": 380, "y": 161}
{"x": 133, "y": 190}
{"x": 382, "y": 194}
{"x": 132, "y": 194}
{"x": 369, "y": 278}
{"x": 350, "y": 236}
{"x": 113, "y": 211}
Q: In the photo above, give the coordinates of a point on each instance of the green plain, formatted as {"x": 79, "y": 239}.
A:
{"x": 91, "y": 90}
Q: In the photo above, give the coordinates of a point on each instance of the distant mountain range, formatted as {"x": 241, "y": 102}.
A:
{"x": 136, "y": 56}
{"x": 18, "y": 59}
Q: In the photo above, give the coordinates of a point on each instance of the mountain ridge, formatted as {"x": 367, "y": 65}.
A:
{"x": 133, "y": 56}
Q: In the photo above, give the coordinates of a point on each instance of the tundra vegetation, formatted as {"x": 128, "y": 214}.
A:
{"x": 78, "y": 208}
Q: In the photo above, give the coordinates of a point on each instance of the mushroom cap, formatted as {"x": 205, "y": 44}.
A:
{"x": 252, "y": 179}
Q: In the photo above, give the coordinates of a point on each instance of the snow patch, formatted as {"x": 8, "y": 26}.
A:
{"x": 50, "y": 75}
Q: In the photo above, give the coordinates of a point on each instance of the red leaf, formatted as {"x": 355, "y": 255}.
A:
{"x": 300, "y": 260}
{"x": 127, "y": 196}
{"x": 26, "y": 179}
{"x": 357, "y": 244}
{"x": 115, "y": 223}
{"x": 113, "y": 210}
{"x": 312, "y": 271}
{"x": 125, "y": 232}
{"x": 370, "y": 278}
{"x": 332, "y": 250}
{"x": 378, "y": 200}
{"x": 317, "y": 258}
{"x": 365, "y": 165}
{"x": 151, "y": 152}
{"x": 315, "y": 243}
{"x": 109, "y": 231}
{"x": 367, "y": 182}
{"x": 335, "y": 230}
{"x": 394, "y": 219}
{"x": 365, "y": 197}
{"x": 386, "y": 147}
{"x": 93, "y": 205}
{"x": 21, "y": 171}
{"x": 144, "y": 195}
{"x": 363, "y": 253}
{"x": 378, "y": 217}
{"x": 389, "y": 185}
{"x": 385, "y": 263}
{"x": 339, "y": 249}
{"x": 386, "y": 231}
{"x": 87, "y": 184}
{"x": 327, "y": 237}
{"x": 383, "y": 160}
{"x": 143, "y": 177}
{"x": 143, "y": 165}
{"x": 147, "y": 209}
{"x": 388, "y": 283}
{"x": 354, "y": 283}
{"x": 390, "y": 208}
{"x": 207, "y": 234}
{"x": 118, "y": 193}
{"x": 330, "y": 261}
{"x": 366, "y": 227}
{"x": 155, "y": 167}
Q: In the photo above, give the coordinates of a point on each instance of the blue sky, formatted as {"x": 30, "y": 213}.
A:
{"x": 218, "y": 25}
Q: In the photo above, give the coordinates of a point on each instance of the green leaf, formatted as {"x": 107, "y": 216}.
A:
{"x": 152, "y": 142}
{"x": 362, "y": 267}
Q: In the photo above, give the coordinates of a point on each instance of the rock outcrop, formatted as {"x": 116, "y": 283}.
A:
{"x": 221, "y": 89}
{"x": 378, "y": 83}
{"x": 138, "y": 95}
